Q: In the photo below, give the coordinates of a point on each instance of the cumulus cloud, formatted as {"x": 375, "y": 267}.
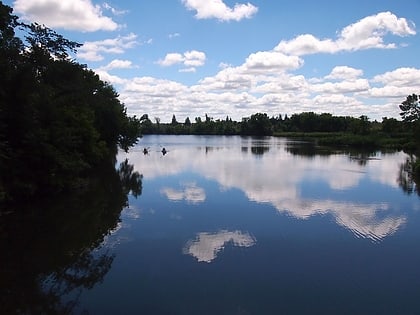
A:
{"x": 271, "y": 61}
{"x": 93, "y": 51}
{"x": 189, "y": 59}
{"x": 112, "y": 79}
{"x": 154, "y": 88}
{"x": 395, "y": 85}
{"x": 343, "y": 87}
{"x": 344, "y": 73}
{"x": 268, "y": 81}
{"x": 367, "y": 33}
{"x": 104, "y": 74}
{"x": 401, "y": 77}
{"x": 79, "y": 15}
{"x": 118, "y": 64}
{"x": 217, "y": 9}
{"x": 259, "y": 66}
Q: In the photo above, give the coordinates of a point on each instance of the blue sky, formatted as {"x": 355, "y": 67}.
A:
{"x": 233, "y": 58}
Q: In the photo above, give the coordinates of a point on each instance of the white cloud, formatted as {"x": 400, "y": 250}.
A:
{"x": 402, "y": 77}
{"x": 343, "y": 87}
{"x": 79, "y": 15}
{"x": 268, "y": 81}
{"x": 367, "y": 33}
{"x": 93, "y": 51}
{"x": 190, "y": 59}
{"x": 171, "y": 59}
{"x": 307, "y": 44}
{"x": 283, "y": 83}
{"x": 238, "y": 93}
{"x": 271, "y": 61}
{"x": 230, "y": 78}
{"x": 217, "y": 9}
{"x": 186, "y": 70}
{"x": 153, "y": 88}
{"x": 117, "y": 64}
{"x": 395, "y": 85}
{"x": 344, "y": 73}
{"x": 112, "y": 79}
{"x": 174, "y": 35}
{"x": 260, "y": 66}
{"x": 391, "y": 92}
{"x": 194, "y": 58}
{"x": 114, "y": 11}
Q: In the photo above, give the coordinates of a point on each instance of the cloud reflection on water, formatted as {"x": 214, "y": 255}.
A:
{"x": 206, "y": 246}
{"x": 276, "y": 177}
{"x": 189, "y": 192}
{"x": 363, "y": 219}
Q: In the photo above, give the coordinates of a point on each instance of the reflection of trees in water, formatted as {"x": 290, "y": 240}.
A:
{"x": 407, "y": 177}
{"x": 259, "y": 150}
{"x": 48, "y": 248}
{"x": 308, "y": 149}
{"x": 311, "y": 149}
{"x": 362, "y": 157}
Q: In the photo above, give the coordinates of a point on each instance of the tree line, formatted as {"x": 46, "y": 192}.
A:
{"x": 260, "y": 124}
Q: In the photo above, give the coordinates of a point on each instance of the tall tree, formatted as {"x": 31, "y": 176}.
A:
{"x": 410, "y": 108}
{"x": 174, "y": 121}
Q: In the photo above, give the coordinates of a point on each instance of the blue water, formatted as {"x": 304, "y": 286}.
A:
{"x": 231, "y": 225}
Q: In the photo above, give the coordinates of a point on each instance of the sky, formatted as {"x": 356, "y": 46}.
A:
{"x": 190, "y": 58}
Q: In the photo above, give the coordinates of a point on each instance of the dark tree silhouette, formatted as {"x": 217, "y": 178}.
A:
{"x": 410, "y": 108}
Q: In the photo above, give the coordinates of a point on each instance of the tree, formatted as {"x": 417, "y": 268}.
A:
{"x": 146, "y": 124}
{"x": 410, "y": 108}
{"x": 174, "y": 121}
{"x": 58, "y": 120}
{"x": 258, "y": 124}
{"x": 391, "y": 125}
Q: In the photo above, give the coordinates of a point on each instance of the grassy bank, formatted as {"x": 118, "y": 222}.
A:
{"x": 400, "y": 141}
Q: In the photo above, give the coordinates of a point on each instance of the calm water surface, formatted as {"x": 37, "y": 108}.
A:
{"x": 231, "y": 225}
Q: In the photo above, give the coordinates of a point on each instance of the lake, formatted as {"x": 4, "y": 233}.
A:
{"x": 242, "y": 225}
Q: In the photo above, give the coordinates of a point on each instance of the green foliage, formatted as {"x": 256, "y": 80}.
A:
{"x": 58, "y": 120}
{"x": 410, "y": 108}
{"x": 258, "y": 124}
{"x": 391, "y": 125}
{"x": 410, "y": 113}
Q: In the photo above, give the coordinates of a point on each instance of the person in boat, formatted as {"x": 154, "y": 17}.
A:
{"x": 164, "y": 151}
{"x": 145, "y": 151}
